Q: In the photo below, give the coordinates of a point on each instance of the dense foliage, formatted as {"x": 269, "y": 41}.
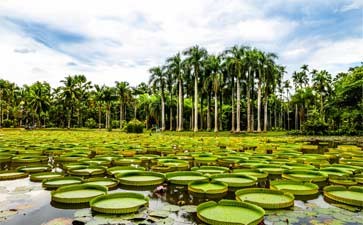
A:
{"x": 241, "y": 89}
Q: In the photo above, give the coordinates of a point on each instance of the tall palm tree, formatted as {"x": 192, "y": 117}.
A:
{"x": 158, "y": 81}
{"x": 122, "y": 90}
{"x": 98, "y": 95}
{"x": 176, "y": 67}
{"x": 39, "y": 99}
{"x": 69, "y": 96}
{"x": 287, "y": 86}
{"x": 195, "y": 56}
{"x": 238, "y": 63}
{"x": 322, "y": 84}
{"x": 216, "y": 79}
{"x": 108, "y": 96}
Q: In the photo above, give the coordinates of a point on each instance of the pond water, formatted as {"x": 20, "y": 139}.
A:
{"x": 26, "y": 202}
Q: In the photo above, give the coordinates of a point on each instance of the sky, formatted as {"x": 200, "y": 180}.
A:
{"x": 113, "y": 40}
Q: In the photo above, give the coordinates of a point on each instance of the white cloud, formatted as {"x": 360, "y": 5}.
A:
{"x": 354, "y": 4}
{"x": 125, "y": 38}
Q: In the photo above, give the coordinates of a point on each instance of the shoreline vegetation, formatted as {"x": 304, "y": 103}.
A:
{"x": 240, "y": 90}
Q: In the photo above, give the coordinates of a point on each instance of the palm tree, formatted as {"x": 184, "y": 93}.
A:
{"x": 69, "y": 96}
{"x": 322, "y": 84}
{"x": 287, "y": 86}
{"x": 39, "y": 98}
{"x": 98, "y": 95}
{"x": 108, "y": 96}
{"x": 122, "y": 90}
{"x": 216, "y": 79}
{"x": 158, "y": 80}
{"x": 195, "y": 57}
{"x": 175, "y": 66}
{"x": 238, "y": 63}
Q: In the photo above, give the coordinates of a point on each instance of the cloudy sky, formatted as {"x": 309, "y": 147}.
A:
{"x": 119, "y": 40}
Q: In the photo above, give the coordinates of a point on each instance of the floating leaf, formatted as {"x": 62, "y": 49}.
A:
{"x": 171, "y": 208}
{"x": 59, "y": 221}
{"x": 160, "y": 213}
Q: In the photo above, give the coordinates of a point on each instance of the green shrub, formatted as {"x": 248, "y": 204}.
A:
{"x": 115, "y": 124}
{"x": 7, "y": 123}
{"x": 90, "y": 123}
{"x": 134, "y": 126}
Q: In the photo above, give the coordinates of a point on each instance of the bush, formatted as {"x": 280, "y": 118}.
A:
{"x": 134, "y": 126}
{"x": 90, "y": 123}
{"x": 315, "y": 125}
{"x": 7, "y": 123}
{"x": 115, "y": 124}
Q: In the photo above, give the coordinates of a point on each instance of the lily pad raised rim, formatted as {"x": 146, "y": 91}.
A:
{"x": 111, "y": 186}
{"x": 329, "y": 193}
{"x": 252, "y": 181}
{"x": 36, "y": 177}
{"x": 12, "y": 175}
{"x": 266, "y": 205}
{"x": 169, "y": 177}
{"x": 75, "y": 187}
{"x": 115, "y": 210}
{"x": 45, "y": 183}
{"x": 225, "y": 202}
{"x": 314, "y": 189}
{"x": 122, "y": 178}
{"x": 193, "y": 187}
{"x": 319, "y": 177}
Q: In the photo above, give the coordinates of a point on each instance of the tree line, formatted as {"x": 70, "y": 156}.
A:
{"x": 240, "y": 89}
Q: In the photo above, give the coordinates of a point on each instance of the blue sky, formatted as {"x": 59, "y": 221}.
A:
{"x": 112, "y": 41}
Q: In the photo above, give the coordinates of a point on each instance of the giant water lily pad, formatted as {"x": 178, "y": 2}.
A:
{"x": 205, "y": 187}
{"x": 259, "y": 174}
{"x": 304, "y": 175}
{"x": 230, "y": 212}
{"x": 119, "y": 203}
{"x": 295, "y": 187}
{"x": 77, "y": 193}
{"x": 141, "y": 178}
{"x": 11, "y": 175}
{"x": 210, "y": 169}
{"x": 87, "y": 171}
{"x": 235, "y": 180}
{"x": 266, "y": 198}
{"x": 60, "y": 181}
{"x": 107, "y": 182}
{"x": 184, "y": 177}
{"x": 38, "y": 177}
{"x": 123, "y": 169}
{"x": 351, "y": 196}
{"x": 34, "y": 168}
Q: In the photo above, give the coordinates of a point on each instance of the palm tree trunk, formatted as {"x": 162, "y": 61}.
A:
{"x": 238, "y": 129}
{"x": 215, "y": 112}
{"x": 208, "y": 114}
{"x": 177, "y": 116}
{"x": 288, "y": 116}
{"x": 265, "y": 113}
{"x": 201, "y": 112}
{"x": 121, "y": 110}
{"x": 259, "y": 106}
{"x": 99, "y": 117}
{"x": 195, "y": 103}
{"x": 180, "y": 105}
{"x": 248, "y": 109}
{"x": 233, "y": 123}
{"x": 162, "y": 113}
{"x": 253, "y": 117}
{"x": 296, "y": 117}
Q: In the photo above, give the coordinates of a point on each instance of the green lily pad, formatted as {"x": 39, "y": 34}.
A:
{"x": 230, "y": 212}
{"x": 77, "y": 193}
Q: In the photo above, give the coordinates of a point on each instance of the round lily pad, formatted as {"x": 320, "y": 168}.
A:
{"x": 235, "y": 180}
{"x": 78, "y": 193}
{"x": 272, "y": 168}
{"x": 123, "y": 169}
{"x": 351, "y": 196}
{"x": 119, "y": 203}
{"x": 12, "y": 174}
{"x": 107, "y": 182}
{"x": 34, "y": 168}
{"x": 266, "y": 198}
{"x": 230, "y": 212}
{"x": 305, "y": 175}
{"x": 210, "y": 169}
{"x": 38, "y": 177}
{"x": 205, "y": 187}
{"x": 141, "y": 178}
{"x": 259, "y": 174}
{"x": 295, "y": 187}
{"x": 60, "y": 181}
{"x": 184, "y": 177}
{"x": 87, "y": 171}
